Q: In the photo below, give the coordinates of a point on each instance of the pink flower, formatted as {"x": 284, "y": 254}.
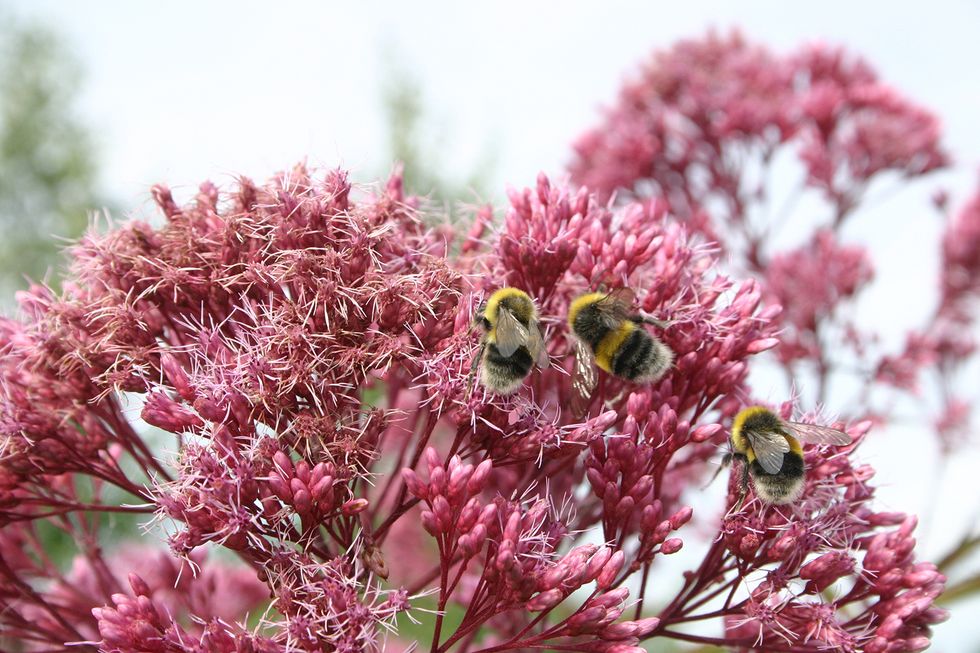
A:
{"x": 680, "y": 127}
{"x": 303, "y": 350}
{"x": 811, "y": 283}
{"x": 961, "y": 261}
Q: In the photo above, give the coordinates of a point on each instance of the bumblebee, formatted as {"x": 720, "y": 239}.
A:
{"x": 511, "y": 343}
{"x": 769, "y": 451}
{"x": 608, "y": 333}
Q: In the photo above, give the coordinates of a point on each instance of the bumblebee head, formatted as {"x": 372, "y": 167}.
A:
{"x": 514, "y": 300}
{"x": 581, "y": 304}
{"x": 756, "y": 418}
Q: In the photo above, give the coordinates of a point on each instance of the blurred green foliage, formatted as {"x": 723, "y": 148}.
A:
{"x": 411, "y": 141}
{"x": 48, "y": 168}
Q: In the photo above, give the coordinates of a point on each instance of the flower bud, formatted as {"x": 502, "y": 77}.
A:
{"x": 545, "y": 600}
{"x": 611, "y": 598}
{"x": 303, "y": 502}
{"x": 478, "y": 479}
{"x": 582, "y": 620}
{"x": 283, "y": 463}
{"x": 322, "y": 492}
{"x": 625, "y": 629}
{"x": 468, "y": 515}
{"x": 705, "y": 432}
{"x": 681, "y": 517}
{"x": 642, "y": 487}
{"x": 672, "y": 545}
{"x": 437, "y": 481}
{"x": 354, "y": 506}
{"x": 140, "y": 588}
{"x": 165, "y": 413}
{"x": 175, "y": 374}
{"x": 624, "y": 508}
{"x": 443, "y": 513}
{"x": 429, "y": 523}
{"x": 414, "y": 484}
{"x": 610, "y": 570}
{"x": 596, "y": 563}
{"x": 473, "y": 540}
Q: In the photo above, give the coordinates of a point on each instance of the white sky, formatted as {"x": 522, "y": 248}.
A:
{"x": 184, "y": 91}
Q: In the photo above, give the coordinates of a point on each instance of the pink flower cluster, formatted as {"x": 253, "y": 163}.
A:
{"x": 704, "y": 124}
{"x": 701, "y": 128}
{"x": 281, "y": 372}
{"x": 823, "y": 546}
{"x": 946, "y": 344}
{"x": 298, "y": 354}
{"x": 682, "y": 128}
{"x": 811, "y": 282}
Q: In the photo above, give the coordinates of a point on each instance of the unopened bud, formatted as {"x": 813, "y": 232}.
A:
{"x": 140, "y": 588}
{"x": 610, "y": 570}
{"x": 673, "y": 545}
{"x": 354, "y": 506}
{"x": 545, "y": 600}
{"x": 681, "y": 517}
{"x": 414, "y": 484}
{"x": 479, "y": 477}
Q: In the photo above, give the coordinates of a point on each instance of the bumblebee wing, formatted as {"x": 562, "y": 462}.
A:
{"x": 509, "y": 334}
{"x": 816, "y": 434}
{"x": 624, "y": 296}
{"x": 535, "y": 345}
{"x": 615, "y": 307}
{"x": 585, "y": 377}
{"x": 769, "y": 448}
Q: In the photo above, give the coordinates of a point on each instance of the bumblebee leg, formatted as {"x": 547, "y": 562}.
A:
{"x": 473, "y": 366}
{"x": 480, "y": 319}
{"x": 743, "y": 485}
{"x": 641, "y": 318}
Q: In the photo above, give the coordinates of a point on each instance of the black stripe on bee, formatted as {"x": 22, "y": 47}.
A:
{"x": 518, "y": 364}
{"x": 633, "y": 358}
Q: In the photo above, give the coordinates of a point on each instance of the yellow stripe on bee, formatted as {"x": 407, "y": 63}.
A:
{"x": 611, "y": 343}
{"x": 580, "y": 303}
{"x": 794, "y": 445}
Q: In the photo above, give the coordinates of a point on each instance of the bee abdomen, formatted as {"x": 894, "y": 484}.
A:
{"x": 785, "y": 486}
{"x": 641, "y": 358}
{"x": 519, "y": 362}
{"x": 505, "y": 373}
{"x": 792, "y": 467}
